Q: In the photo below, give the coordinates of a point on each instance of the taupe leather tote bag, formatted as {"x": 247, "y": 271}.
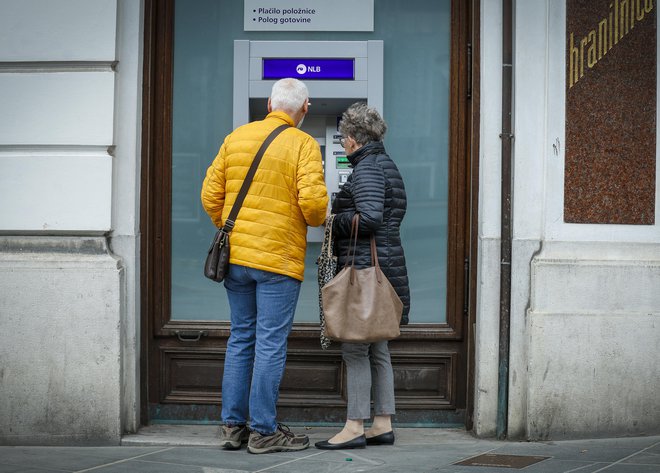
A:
{"x": 360, "y": 305}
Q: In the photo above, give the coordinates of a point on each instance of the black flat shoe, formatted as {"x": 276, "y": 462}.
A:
{"x": 358, "y": 442}
{"x": 383, "y": 439}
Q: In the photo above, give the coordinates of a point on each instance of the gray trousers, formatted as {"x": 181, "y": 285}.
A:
{"x": 368, "y": 369}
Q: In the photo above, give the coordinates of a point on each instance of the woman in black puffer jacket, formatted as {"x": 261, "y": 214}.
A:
{"x": 375, "y": 191}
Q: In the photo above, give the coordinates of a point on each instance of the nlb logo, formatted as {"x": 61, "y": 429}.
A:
{"x": 302, "y": 69}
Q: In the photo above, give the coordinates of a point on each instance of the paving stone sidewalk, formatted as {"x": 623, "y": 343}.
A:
{"x": 193, "y": 449}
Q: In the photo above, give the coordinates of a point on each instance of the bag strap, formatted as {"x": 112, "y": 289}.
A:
{"x": 326, "y": 246}
{"x": 231, "y": 220}
{"x": 352, "y": 240}
{"x": 355, "y": 223}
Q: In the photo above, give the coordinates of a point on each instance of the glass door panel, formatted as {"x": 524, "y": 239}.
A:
{"x": 416, "y": 35}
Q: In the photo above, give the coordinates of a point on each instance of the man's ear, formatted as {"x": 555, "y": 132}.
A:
{"x": 305, "y": 107}
{"x": 270, "y": 107}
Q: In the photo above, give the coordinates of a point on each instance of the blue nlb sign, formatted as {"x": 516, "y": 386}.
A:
{"x": 309, "y": 69}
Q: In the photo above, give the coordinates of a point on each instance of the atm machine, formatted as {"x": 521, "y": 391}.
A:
{"x": 337, "y": 74}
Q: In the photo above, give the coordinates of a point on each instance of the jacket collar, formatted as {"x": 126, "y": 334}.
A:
{"x": 281, "y": 116}
{"x": 375, "y": 147}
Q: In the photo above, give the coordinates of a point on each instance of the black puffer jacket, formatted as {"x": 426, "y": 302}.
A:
{"x": 374, "y": 190}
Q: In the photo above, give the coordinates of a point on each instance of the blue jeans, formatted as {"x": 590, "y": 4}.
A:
{"x": 262, "y": 306}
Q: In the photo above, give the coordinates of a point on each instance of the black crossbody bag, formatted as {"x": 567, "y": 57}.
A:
{"x": 217, "y": 260}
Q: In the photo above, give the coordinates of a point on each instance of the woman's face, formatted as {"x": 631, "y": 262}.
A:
{"x": 349, "y": 144}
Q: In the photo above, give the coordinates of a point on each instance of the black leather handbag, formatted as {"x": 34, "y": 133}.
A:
{"x": 217, "y": 260}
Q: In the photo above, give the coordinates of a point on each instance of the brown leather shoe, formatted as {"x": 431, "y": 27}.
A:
{"x": 233, "y": 436}
{"x": 283, "y": 440}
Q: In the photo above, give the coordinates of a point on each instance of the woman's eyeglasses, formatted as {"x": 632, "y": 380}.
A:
{"x": 342, "y": 141}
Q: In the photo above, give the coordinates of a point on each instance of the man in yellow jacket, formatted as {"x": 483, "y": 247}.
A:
{"x": 268, "y": 245}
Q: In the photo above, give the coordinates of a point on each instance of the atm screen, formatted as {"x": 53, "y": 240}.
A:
{"x": 309, "y": 68}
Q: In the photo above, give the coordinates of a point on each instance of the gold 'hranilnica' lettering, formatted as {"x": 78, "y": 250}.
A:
{"x": 609, "y": 31}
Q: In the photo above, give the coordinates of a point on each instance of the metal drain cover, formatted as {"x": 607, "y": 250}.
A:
{"x": 502, "y": 461}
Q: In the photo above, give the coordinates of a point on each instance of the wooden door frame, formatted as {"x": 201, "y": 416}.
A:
{"x": 473, "y": 178}
{"x": 155, "y": 213}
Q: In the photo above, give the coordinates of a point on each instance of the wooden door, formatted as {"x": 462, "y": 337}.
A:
{"x": 182, "y": 357}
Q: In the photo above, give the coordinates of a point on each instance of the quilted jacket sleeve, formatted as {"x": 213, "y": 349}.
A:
{"x": 213, "y": 189}
{"x": 312, "y": 193}
{"x": 368, "y": 193}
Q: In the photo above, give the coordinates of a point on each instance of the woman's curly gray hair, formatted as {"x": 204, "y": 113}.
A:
{"x": 363, "y": 123}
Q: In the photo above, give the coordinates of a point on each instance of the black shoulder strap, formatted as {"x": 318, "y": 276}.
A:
{"x": 231, "y": 220}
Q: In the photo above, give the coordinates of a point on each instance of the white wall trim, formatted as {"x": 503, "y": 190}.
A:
{"x": 30, "y": 150}
{"x": 18, "y": 67}
{"x": 125, "y": 236}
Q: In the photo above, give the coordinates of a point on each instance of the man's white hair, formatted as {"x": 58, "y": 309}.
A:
{"x": 288, "y": 95}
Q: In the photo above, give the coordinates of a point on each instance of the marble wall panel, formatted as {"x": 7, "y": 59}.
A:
{"x": 610, "y": 156}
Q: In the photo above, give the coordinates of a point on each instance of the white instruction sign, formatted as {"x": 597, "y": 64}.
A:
{"x": 308, "y": 15}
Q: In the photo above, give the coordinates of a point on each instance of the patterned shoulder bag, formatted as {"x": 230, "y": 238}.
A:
{"x": 327, "y": 269}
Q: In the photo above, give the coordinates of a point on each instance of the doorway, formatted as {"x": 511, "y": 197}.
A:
{"x": 187, "y": 112}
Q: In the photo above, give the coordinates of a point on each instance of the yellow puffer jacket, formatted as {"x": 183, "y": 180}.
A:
{"x": 287, "y": 194}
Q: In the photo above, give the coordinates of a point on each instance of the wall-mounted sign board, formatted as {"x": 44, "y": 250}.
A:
{"x": 310, "y": 15}
{"x": 307, "y": 68}
{"x": 611, "y": 96}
